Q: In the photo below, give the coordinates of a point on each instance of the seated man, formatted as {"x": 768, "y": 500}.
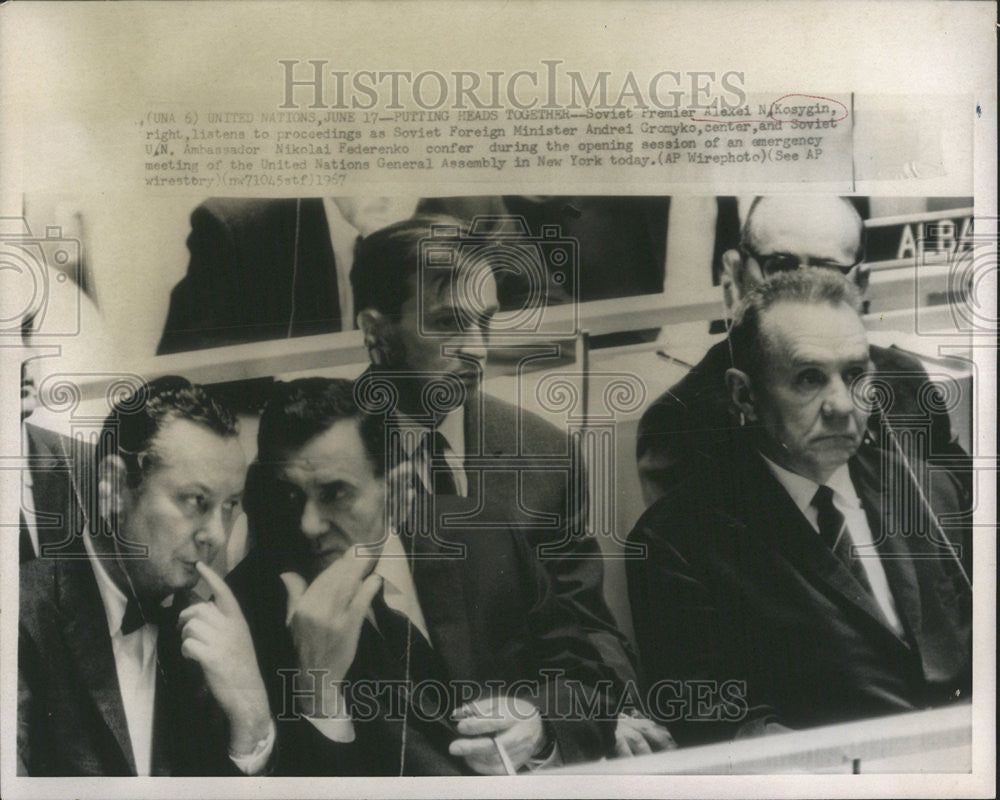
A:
{"x": 120, "y": 672}
{"x": 693, "y": 418}
{"x": 429, "y": 323}
{"x": 803, "y": 577}
{"x": 385, "y": 652}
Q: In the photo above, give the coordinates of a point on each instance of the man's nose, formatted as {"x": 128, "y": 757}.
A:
{"x": 838, "y": 400}
{"x": 312, "y": 521}
{"x": 474, "y": 343}
{"x": 212, "y": 532}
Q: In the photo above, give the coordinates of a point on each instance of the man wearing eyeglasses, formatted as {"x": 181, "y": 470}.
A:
{"x": 693, "y": 420}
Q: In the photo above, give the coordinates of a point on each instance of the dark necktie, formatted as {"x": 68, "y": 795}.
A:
{"x": 441, "y": 474}
{"x": 835, "y": 535}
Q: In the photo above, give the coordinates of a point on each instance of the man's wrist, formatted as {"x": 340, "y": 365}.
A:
{"x": 253, "y": 761}
{"x": 245, "y": 735}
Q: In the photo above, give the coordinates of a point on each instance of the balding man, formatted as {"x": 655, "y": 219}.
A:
{"x": 814, "y": 581}
{"x": 694, "y": 417}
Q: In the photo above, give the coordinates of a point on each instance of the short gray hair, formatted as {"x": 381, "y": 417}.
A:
{"x": 810, "y": 286}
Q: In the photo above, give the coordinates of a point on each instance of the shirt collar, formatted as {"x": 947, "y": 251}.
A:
{"x": 397, "y": 580}
{"x": 452, "y": 427}
{"x": 113, "y": 598}
{"x": 802, "y": 490}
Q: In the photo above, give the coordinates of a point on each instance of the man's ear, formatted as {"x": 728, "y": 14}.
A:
{"x": 732, "y": 263}
{"x": 111, "y": 486}
{"x": 741, "y": 393}
{"x": 373, "y": 324}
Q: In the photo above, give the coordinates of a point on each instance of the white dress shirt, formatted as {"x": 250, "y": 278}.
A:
{"x": 452, "y": 428}
{"x": 845, "y": 499}
{"x": 135, "y": 663}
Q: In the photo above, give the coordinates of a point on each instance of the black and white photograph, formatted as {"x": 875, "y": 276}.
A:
{"x": 562, "y": 416}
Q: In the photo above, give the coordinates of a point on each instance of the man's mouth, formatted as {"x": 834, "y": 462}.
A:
{"x": 841, "y": 438}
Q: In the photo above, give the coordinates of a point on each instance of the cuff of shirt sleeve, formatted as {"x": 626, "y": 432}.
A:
{"x": 338, "y": 728}
{"x": 544, "y": 761}
{"x": 254, "y": 762}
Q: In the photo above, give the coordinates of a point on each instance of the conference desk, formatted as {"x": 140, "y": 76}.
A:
{"x": 936, "y": 741}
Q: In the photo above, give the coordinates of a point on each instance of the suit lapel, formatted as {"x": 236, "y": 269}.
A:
{"x": 893, "y": 553}
{"x": 440, "y": 580}
{"x": 86, "y": 632}
{"x": 50, "y": 475}
{"x": 796, "y": 539}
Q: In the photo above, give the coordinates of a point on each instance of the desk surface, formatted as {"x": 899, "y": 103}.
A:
{"x": 923, "y": 741}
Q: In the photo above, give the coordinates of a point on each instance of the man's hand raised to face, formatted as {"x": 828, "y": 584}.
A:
{"x": 215, "y": 634}
{"x": 325, "y": 620}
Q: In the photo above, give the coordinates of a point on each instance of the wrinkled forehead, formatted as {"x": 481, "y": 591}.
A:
{"x": 818, "y": 333}
{"x": 336, "y": 454}
{"x": 195, "y": 453}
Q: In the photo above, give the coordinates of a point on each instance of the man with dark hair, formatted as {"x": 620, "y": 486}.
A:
{"x": 693, "y": 420}
{"x": 426, "y": 298}
{"x": 820, "y": 578}
{"x": 390, "y": 652}
{"x": 120, "y": 670}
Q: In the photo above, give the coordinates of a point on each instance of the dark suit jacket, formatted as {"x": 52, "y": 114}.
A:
{"x": 738, "y": 587}
{"x": 70, "y": 716}
{"x": 51, "y": 476}
{"x": 546, "y": 507}
{"x": 491, "y": 615}
{"x": 524, "y": 475}
{"x": 692, "y": 420}
{"x": 245, "y": 260}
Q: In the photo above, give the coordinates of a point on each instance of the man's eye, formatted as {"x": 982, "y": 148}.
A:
{"x": 810, "y": 378}
{"x": 230, "y": 506}
{"x": 194, "y": 503}
{"x": 780, "y": 263}
{"x": 336, "y": 493}
{"x": 855, "y": 374}
{"x": 446, "y": 322}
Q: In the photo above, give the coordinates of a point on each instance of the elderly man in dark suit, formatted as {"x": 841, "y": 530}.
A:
{"x": 120, "y": 671}
{"x": 388, "y": 651}
{"x": 694, "y": 417}
{"x": 805, "y": 576}
{"x": 427, "y": 296}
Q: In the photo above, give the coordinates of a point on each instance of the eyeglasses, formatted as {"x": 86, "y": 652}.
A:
{"x": 773, "y": 263}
